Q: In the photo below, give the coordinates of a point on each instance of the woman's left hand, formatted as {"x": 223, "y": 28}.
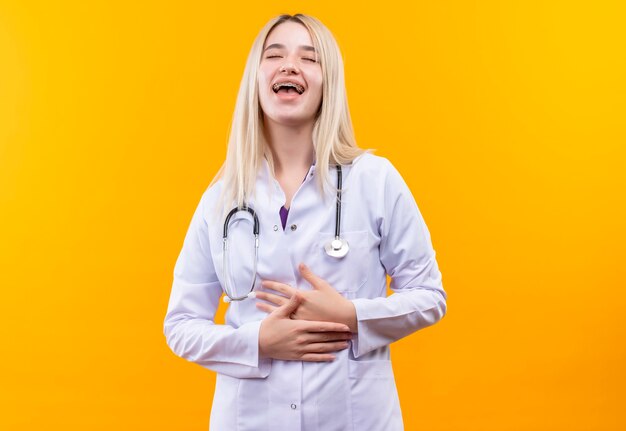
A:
{"x": 322, "y": 303}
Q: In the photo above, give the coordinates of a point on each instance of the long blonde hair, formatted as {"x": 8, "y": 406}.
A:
{"x": 333, "y": 135}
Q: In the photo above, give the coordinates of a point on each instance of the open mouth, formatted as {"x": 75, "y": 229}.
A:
{"x": 288, "y": 87}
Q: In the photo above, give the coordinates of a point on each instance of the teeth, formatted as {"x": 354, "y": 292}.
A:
{"x": 279, "y": 85}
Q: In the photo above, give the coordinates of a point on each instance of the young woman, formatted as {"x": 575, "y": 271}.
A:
{"x": 306, "y": 340}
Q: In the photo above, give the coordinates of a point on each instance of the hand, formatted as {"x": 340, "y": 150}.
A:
{"x": 280, "y": 337}
{"x": 323, "y": 303}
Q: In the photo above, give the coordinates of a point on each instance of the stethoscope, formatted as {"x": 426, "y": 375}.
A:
{"x": 336, "y": 247}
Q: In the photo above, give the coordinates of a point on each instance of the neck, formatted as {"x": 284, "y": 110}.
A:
{"x": 291, "y": 146}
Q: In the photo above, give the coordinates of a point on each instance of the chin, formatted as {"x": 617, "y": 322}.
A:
{"x": 291, "y": 120}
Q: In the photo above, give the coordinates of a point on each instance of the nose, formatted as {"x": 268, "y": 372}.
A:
{"x": 289, "y": 68}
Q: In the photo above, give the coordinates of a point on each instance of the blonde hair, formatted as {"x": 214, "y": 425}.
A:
{"x": 333, "y": 135}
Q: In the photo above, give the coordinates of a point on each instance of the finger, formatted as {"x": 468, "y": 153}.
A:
{"x": 326, "y": 347}
{"x": 270, "y": 297}
{"x": 313, "y": 279}
{"x": 283, "y": 288}
{"x": 318, "y": 337}
{"x": 289, "y": 307}
{"x": 313, "y": 326}
{"x": 316, "y": 357}
{"x": 266, "y": 307}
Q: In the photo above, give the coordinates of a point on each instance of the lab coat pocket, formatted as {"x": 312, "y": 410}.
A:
{"x": 374, "y": 396}
{"x": 253, "y": 405}
{"x": 346, "y": 274}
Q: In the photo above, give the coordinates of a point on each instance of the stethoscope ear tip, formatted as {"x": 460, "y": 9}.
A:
{"x": 226, "y": 299}
{"x": 252, "y": 295}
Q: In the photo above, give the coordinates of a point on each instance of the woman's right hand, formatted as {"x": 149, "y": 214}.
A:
{"x": 280, "y": 337}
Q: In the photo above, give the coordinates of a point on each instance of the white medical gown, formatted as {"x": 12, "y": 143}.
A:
{"x": 386, "y": 234}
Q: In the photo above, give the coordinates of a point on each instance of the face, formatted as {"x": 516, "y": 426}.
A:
{"x": 290, "y": 76}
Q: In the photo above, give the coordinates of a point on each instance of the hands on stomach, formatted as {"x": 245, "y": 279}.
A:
{"x": 305, "y": 325}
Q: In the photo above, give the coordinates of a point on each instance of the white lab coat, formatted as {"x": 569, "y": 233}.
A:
{"x": 387, "y": 235}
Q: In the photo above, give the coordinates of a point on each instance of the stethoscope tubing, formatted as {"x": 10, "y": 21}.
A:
{"x": 338, "y": 210}
{"x": 226, "y": 253}
{"x": 337, "y": 248}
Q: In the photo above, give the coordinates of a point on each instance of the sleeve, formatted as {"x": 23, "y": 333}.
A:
{"x": 189, "y": 326}
{"x": 407, "y": 254}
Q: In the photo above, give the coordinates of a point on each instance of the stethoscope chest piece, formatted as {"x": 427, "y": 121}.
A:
{"x": 337, "y": 248}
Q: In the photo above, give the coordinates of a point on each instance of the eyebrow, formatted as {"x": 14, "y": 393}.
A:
{"x": 281, "y": 46}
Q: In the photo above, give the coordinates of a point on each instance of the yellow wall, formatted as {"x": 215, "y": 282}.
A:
{"x": 507, "y": 120}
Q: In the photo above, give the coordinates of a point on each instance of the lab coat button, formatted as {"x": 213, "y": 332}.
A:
{"x": 294, "y": 227}
{"x": 275, "y": 227}
{"x": 293, "y": 406}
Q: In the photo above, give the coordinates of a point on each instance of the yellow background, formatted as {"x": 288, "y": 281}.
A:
{"x": 505, "y": 118}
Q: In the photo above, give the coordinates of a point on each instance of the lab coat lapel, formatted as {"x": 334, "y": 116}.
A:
{"x": 275, "y": 259}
